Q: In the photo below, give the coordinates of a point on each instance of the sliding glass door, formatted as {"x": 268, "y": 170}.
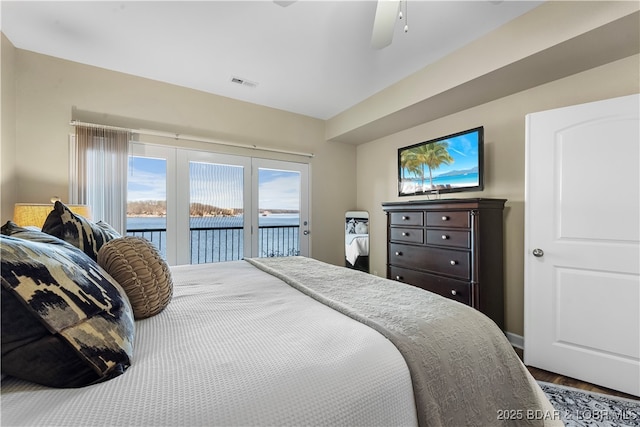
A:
{"x": 199, "y": 207}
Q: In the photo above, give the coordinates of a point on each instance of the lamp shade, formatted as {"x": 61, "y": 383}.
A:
{"x": 34, "y": 214}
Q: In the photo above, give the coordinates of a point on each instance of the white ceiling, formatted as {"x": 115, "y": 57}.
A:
{"x": 310, "y": 57}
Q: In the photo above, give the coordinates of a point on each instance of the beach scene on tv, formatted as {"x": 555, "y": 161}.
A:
{"x": 445, "y": 165}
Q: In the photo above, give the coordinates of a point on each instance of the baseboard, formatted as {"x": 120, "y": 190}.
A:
{"x": 516, "y": 340}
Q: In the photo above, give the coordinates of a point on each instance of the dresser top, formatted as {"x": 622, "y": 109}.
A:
{"x": 446, "y": 203}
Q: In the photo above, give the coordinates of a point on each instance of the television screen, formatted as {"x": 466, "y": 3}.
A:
{"x": 443, "y": 165}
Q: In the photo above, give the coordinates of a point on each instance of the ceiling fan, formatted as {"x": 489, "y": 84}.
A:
{"x": 387, "y": 11}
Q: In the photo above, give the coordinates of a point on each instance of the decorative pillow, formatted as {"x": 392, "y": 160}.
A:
{"x": 362, "y": 228}
{"x": 350, "y": 226}
{"x": 65, "y": 322}
{"x": 139, "y": 268}
{"x": 32, "y": 234}
{"x": 80, "y": 232}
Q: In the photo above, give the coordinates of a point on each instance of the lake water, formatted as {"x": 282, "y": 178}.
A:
{"x": 222, "y": 240}
{"x": 138, "y": 223}
{"x": 464, "y": 180}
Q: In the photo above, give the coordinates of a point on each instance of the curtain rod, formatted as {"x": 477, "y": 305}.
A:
{"x": 178, "y": 136}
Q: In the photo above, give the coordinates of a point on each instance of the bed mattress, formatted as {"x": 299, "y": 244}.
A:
{"x": 236, "y": 346}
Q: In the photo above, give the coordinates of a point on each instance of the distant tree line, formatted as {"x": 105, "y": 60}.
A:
{"x": 147, "y": 208}
{"x": 200, "y": 209}
{"x": 159, "y": 208}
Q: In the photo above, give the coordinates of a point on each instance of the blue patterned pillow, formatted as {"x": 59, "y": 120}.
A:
{"x": 33, "y": 234}
{"x": 80, "y": 232}
{"x": 65, "y": 322}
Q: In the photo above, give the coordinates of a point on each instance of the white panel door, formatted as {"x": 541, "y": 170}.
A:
{"x": 582, "y": 240}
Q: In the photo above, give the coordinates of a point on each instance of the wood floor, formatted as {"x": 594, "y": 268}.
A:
{"x": 553, "y": 378}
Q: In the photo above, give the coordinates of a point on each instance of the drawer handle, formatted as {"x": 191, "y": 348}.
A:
{"x": 445, "y": 237}
{"x": 453, "y": 262}
{"x": 454, "y": 292}
{"x": 404, "y": 233}
{"x": 398, "y": 253}
{"x": 445, "y": 218}
{"x": 405, "y": 218}
{"x": 399, "y": 278}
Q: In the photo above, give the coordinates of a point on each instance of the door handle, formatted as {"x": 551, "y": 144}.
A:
{"x": 537, "y": 252}
{"x": 306, "y": 232}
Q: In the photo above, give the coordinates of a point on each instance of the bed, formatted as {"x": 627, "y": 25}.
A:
{"x": 356, "y": 245}
{"x": 288, "y": 341}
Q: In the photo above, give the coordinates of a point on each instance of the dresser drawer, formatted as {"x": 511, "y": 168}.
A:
{"x": 443, "y": 261}
{"x": 455, "y": 289}
{"x": 408, "y": 235}
{"x": 406, "y": 218}
{"x": 451, "y": 238}
{"x": 456, "y": 219}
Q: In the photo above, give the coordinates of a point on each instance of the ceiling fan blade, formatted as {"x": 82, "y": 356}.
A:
{"x": 384, "y": 23}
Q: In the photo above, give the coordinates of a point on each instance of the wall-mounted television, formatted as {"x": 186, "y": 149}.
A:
{"x": 447, "y": 164}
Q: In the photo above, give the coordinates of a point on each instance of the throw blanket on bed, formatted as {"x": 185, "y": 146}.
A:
{"x": 464, "y": 371}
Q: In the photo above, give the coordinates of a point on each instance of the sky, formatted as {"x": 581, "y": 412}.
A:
{"x": 464, "y": 149}
{"x": 279, "y": 189}
{"x": 146, "y": 179}
{"x": 218, "y": 185}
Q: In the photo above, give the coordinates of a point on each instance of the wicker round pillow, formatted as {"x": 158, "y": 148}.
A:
{"x": 138, "y": 267}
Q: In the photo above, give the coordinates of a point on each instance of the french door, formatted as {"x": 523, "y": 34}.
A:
{"x": 151, "y": 197}
{"x": 280, "y": 192}
{"x": 218, "y": 207}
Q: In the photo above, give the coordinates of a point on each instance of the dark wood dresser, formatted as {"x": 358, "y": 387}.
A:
{"x": 451, "y": 247}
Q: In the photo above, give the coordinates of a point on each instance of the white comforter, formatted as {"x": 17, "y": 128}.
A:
{"x": 356, "y": 245}
{"x": 236, "y": 346}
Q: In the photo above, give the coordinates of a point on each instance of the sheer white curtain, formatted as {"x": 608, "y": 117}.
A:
{"x": 98, "y": 173}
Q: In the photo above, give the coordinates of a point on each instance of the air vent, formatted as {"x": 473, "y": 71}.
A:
{"x": 243, "y": 82}
{"x": 284, "y": 3}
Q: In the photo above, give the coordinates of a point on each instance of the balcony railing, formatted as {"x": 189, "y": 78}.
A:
{"x": 218, "y": 244}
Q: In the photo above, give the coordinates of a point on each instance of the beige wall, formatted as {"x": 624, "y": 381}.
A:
{"x": 504, "y": 123}
{"x": 50, "y": 92}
